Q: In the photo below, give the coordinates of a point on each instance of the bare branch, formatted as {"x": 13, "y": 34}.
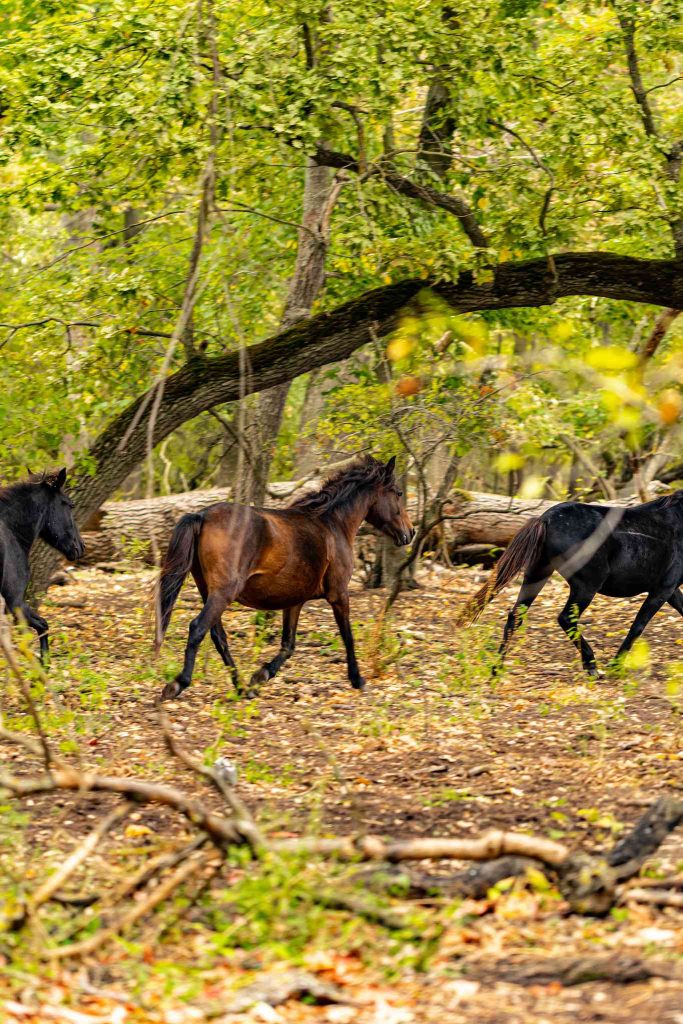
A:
{"x": 628, "y": 29}
{"x": 244, "y": 822}
{"x": 657, "y": 334}
{"x": 163, "y": 890}
{"x": 74, "y": 861}
{"x": 453, "y": 204}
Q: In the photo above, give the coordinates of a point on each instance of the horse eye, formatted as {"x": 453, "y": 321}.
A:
{"x": 399, "y": 494}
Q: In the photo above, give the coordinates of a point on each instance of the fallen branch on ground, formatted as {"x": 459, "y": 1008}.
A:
{"x": 591, "y": 883}
{"x": 622, "y": 970}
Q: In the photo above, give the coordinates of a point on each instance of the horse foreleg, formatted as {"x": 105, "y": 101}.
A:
{"x": 676, "y": 601}
{"x": 530, "y": 589}
{"x": 340, "y": 607}
{"x": 37, "y": 622}
{"x": 649, "y": 608}
{"x": 580, "y": 597}
{"x": 209, "y": 616}
{"x": 290, "y": 620}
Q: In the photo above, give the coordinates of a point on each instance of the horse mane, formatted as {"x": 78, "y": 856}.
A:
{"x": 339, "y": 489}
{"x": 20, "y": 488}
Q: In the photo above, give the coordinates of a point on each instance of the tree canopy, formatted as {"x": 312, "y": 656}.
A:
{"x": 472, "y": 145}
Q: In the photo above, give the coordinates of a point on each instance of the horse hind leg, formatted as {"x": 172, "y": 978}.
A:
{"x": 290, "y": 621}
{"x": 650, "y": 606}
{"x": 580, "y": 596}
{"x": 209, "y": 617}
{"x": 218, "y": 635}
{"x": 676, "y": 601}
{"x": 532, "y": 585}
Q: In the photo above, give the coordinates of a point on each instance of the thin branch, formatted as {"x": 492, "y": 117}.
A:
{"x": 13, "y": 328}
{"x": 398, "y": 183}
{"x": 657, "y": 897}
{"x": 244, "y": 822}
{"x": 100, "y": 238}
{"x": 628, "y": 29}
{"x": 657, "y": 334}
{"x": 163, "y": 890}
{"x": 545, "y": 206}
{"x": 490, "y": 845}
{"x": 586, "y": 461}
{"x": 219, "y": 829}
{"x": 10, "y": 656}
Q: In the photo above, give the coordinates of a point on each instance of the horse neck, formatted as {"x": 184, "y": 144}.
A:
{"x": 350, "y": 518}
{"x": 24, "y": 515}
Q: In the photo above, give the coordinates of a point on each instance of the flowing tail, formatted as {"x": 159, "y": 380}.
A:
{"x": 177, "y": 564}
{"x": 521, "y": 553}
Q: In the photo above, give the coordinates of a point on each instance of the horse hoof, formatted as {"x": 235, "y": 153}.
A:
{"x": 260, "y": 677}
{"x": 358, "y": 684}
{"x": 171, "y": 690}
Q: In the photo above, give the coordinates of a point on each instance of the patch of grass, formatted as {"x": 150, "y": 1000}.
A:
{"x": 446, "y": 796}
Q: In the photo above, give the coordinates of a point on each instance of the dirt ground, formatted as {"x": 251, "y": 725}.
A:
{"x": 433, "y": 747}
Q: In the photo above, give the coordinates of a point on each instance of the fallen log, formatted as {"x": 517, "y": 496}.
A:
{"x": 124, "y": 529}
{"x": 481, "y": 518}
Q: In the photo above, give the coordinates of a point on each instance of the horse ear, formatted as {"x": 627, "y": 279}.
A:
{"x": 60, "y": 479}
{"x": 390, "y": 467}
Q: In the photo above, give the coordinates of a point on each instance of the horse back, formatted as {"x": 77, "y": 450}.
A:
{"x": 278, "y": 558}
{"x": 642, "y": 546}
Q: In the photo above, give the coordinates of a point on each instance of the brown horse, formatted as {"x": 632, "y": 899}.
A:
{"x": 278, "y": 559}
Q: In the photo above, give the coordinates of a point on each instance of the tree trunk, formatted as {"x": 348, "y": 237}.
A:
{"x": 329, "y": 337}
{"x": 436, "y": 131}
{"x": 265, "y": 416}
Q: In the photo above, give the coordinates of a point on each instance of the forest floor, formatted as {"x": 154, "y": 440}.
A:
{"x": 433, "y": 747}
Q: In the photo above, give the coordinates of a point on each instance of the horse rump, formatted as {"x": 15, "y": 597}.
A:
{"x": 176, "y": 565}
{"x": 520, "y": 554}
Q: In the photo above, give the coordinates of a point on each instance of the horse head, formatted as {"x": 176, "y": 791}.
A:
{"x": 59, "y": 527}
{"x": 387, "y": 511}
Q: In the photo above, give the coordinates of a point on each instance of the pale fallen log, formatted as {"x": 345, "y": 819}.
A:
{"x": 478, "y": 517}
{"x": 124, "y": 529}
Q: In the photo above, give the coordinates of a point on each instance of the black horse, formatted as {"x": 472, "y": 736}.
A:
{"x": 598, "y": 549}
{"x": 37, "y": 507}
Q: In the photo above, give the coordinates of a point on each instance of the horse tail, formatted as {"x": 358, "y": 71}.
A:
{"x": 176, "y": 565}
{"x": 521, "y": 553}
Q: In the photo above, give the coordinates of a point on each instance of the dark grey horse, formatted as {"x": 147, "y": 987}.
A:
{"x": 598, "y": 549}
{"x": 37, "y": 507}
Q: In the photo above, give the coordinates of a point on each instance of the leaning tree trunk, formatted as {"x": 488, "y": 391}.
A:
{"x": 265, "y": 416}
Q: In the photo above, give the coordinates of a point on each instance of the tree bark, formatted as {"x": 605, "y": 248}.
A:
{"x": 203, "y": 383}
{"x": 305, "y": 286}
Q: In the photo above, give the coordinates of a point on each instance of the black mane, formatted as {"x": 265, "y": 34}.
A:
{"x": 340, "y": 489}
{"x": 11, "y": 493}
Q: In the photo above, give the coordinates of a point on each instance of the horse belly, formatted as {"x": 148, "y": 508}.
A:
{"x": 637, "y": 565}
{"x": 272, "y": 592}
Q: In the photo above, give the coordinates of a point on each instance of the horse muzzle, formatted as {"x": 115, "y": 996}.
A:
{"x": 77, "y": 551}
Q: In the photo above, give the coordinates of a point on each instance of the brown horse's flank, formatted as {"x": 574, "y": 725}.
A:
{"x": 278, "y": 559}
